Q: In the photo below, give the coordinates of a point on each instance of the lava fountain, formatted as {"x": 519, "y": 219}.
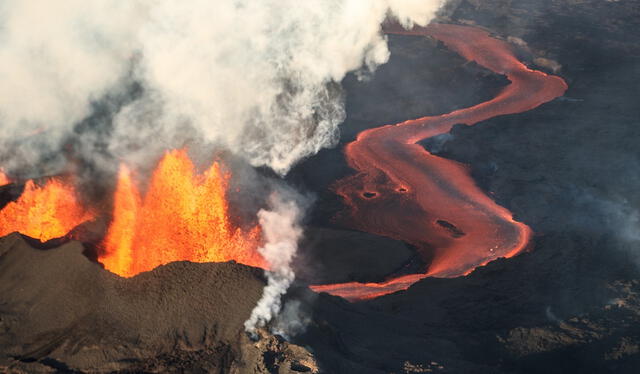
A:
{"x": 404, "y": 192}
{"x": 184, "y": 216}
{"x": 44, "y": 212}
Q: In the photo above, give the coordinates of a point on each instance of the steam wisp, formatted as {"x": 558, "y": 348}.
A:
{"x": 282, "y": 231}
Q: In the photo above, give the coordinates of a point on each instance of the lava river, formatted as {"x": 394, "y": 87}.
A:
{"x": 404, "y": 192}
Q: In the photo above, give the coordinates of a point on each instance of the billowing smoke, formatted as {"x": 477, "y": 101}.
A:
{"x": 281, "y": 229}
{"x": 292, "y": 320}
{"x": 56, "y": 58}
{"x": 260, "y": 78}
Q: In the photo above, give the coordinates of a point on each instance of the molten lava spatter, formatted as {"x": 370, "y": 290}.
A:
{"x": 182, "y": 217}
{"x": 4, "y": 179}
{"x": 44, "y": 213}
{"x": 428, "y": 201}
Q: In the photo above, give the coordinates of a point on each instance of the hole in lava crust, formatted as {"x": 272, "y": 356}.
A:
{"x": 451, "y": 228}
{"x": 369, "y": 195}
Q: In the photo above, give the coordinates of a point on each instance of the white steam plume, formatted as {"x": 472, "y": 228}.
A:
{"x": 281, "y": 230}
{"x": 260, "y": 78}
{"x": 56, "y": 58}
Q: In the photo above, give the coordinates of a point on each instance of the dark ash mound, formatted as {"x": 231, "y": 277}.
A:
{"x": 60, "y": 312}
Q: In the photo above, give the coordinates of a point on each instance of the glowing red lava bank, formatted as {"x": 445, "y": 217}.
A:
{"x": 404, "y": 192}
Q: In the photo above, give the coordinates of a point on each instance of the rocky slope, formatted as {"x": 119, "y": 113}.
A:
{"x": 60, "y": 312}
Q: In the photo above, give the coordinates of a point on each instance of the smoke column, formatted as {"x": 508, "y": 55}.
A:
{"x": 281, "y": 229}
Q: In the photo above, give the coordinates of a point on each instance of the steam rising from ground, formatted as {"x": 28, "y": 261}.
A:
{"x": 281, "y": 229}
{"x": 617, "y": 216}
{"x": 260, "y": 78}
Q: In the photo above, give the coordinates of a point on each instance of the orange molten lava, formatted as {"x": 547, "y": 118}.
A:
{"x": 44, "y": 213}
{"x": 4, "y": 179}
{"x": 404, "y": 192}
{"x": 183, "y": 216}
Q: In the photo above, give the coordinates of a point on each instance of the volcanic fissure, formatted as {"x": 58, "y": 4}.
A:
{"x": 184, "y": 215}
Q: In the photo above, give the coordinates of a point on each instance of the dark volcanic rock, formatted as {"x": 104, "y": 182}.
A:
{"x": 328, "y": 255}
{"x": 503, "y": 318}
{"x": 10, "y": 192}
{"x": 60, "y": 311}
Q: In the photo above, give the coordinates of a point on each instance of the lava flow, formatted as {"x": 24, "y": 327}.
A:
{"x": 44, "y": 212}
{"x": 182, "y": 217}
{"x": 404, "y": 192}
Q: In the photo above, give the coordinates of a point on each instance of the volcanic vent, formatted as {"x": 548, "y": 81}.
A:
{"x": 180, "y": 214}
{"x": 183, "y": 215}
{"x": 46, "y": 211}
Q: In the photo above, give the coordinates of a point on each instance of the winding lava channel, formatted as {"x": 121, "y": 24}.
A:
{"x": 404, "y": 192}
